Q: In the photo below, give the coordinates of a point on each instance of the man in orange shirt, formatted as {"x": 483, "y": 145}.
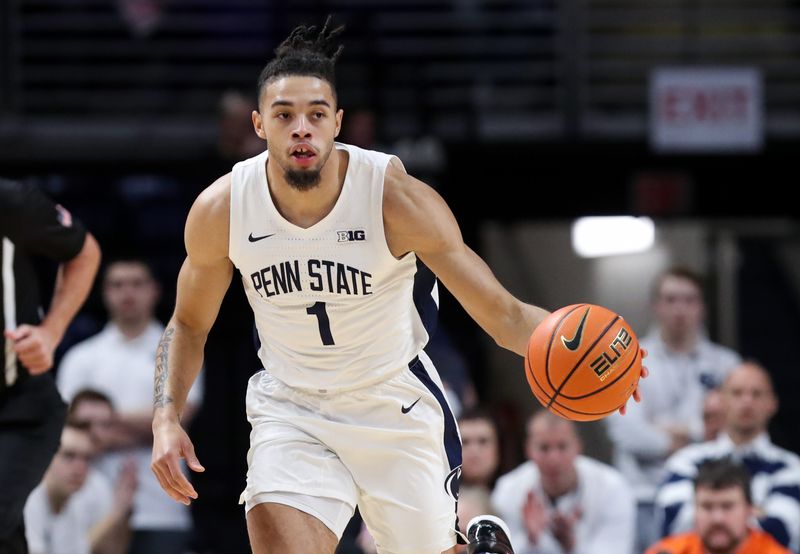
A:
{"x": 723, "y": 512}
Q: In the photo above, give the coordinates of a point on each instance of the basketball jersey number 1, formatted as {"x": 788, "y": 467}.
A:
{"x": 324, "y": 323}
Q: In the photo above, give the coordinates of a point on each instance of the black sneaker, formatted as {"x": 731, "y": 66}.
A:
{"x": 488, "y": 535}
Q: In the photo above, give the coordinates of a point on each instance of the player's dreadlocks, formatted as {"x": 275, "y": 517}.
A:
{"x": 305, "y": 52}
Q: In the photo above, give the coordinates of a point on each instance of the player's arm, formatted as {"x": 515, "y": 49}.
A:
{"x": 417, "y": 219}
{"x": 202, "y": 283}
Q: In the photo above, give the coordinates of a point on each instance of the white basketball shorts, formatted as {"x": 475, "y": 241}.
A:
{"x": 391, "y": 448}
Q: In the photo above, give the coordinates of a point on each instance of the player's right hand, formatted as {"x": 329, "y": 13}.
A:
{"x": 170, "y": 444}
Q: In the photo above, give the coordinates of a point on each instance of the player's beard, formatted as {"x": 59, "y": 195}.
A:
{"x": 307, "y": 179}
{"x": 303, "y": 179}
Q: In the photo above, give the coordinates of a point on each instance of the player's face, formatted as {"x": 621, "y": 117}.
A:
{"x": 748, "y": 400}
{"x": 99, "y": 417}
{"x": 721, "y": 518}
{"x": 553, "y": 448}
{"x": 129, "y": 292}
{"x": 298, "y": 118}
{"x": 479, "y": 450}
{"x": 679, "y": 306}
{"x": 70, "y": 466}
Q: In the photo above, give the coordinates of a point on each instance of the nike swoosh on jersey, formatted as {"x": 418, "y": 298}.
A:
{"x": 406, "y": 410}
{"x": 251, "y": 238}
{"x": 575, "y": 341}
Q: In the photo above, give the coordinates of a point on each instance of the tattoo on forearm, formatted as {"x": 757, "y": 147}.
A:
{"x": 160, "y": 397}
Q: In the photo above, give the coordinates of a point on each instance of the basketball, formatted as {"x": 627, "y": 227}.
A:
{"x": 583, "y": 362}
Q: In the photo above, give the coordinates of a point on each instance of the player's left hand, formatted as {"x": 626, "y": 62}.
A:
{"x": 636, "y": 395}
{"x": 34, "y": 347}
{"x": 170, "y": 444}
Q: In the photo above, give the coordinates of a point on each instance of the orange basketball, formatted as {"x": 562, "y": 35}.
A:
{"x": 583, "y": 362}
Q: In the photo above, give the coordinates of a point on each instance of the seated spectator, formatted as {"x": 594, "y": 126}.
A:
{"x": 480, "y": 449}
{"x": 749, "y": 403}
{"x": 683, "y": 365}
{"x": 93, "y": 410}
{"x": 560, "y": 502}
{"x": 723, "y": 510}
{"x": 74, "y": 510}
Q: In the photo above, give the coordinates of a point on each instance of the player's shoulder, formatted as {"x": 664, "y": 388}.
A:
{"x": 364, "y": 156}
{"x": 404, "y": 195}
{"x": 213, "y": 203}
{"x": 219, "y": 190}
{"x": 397, "y": 183}
{"x": 207, "y": 225}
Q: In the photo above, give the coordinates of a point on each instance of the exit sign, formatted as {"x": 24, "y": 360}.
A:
{"x": 706, "y": 110}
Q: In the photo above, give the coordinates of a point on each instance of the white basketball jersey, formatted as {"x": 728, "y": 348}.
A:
{"x": 334, "y": 309}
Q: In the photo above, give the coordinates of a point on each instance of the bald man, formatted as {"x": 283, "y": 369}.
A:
{"x": 748, "y": 402}
{"x": 558, "y": 501}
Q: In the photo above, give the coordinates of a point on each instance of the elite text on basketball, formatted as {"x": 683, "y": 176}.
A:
{"x": 602, "y": 364}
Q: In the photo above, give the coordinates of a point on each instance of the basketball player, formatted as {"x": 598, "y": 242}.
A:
{"x": 337, "y": 248}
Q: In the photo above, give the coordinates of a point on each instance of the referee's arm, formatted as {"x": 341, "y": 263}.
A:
{"x": 35, "y": 344}
{"x": 31, "y": 221}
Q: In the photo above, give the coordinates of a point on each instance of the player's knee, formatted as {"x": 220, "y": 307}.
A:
{"x": 278, "y": 528}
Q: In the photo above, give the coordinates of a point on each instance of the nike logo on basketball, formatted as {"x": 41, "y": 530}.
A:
{"x": 406, "y": 410}
{"x": 575, "y": 342}
{"x": 251, "y": 238}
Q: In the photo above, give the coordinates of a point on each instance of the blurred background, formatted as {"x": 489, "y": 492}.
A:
{"x": 525, "y": 114}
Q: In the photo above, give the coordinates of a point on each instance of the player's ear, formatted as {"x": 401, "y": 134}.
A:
{"x": 339, "y": 115}
{"x": 258, "y": 124}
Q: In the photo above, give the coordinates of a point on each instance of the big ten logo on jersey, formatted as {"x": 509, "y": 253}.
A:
{"x": 355, "y": 235}
{"x": 602, "y": 365}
